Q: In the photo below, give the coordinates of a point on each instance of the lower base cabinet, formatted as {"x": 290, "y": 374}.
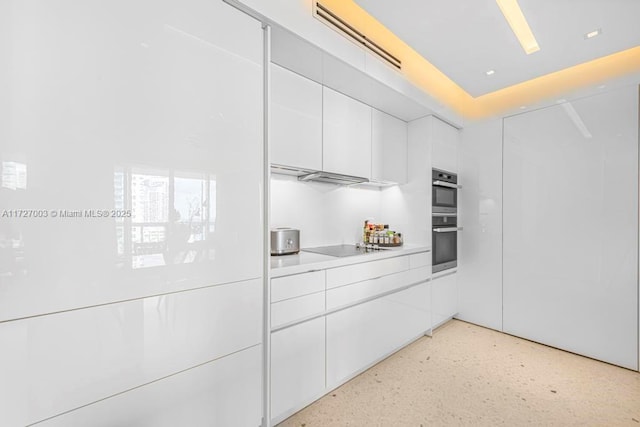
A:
{"x": 445, "y": 298}
{"x": 225, "y": 392}
{"x": 297, "y": 366}
{"x": 359, "y": 336}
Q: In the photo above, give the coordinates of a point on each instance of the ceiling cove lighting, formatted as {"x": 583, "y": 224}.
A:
{"x": 514, "y": 16}
{"x": 427, "y": 77}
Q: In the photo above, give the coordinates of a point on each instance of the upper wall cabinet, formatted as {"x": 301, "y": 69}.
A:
{"x": 444, "y": 145}
{"x": 346, "y": 130}
{"x": 296, "y": 120}
{"x": 388, "y": 148}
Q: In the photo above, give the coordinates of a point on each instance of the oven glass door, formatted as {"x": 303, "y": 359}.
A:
{"x": 444, "y": 199}
{"x": 445, "y": 247}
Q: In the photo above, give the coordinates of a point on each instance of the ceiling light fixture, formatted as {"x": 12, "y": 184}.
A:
{"x": 593, "y": 33}
{"x": 514, "y": 16}
{"x": 491, "y": 72}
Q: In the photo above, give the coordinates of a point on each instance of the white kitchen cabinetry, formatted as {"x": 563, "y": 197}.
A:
{"x": 346, "y": 128}
{"x": 571, "y": 226}
{"x": 321, "y": 338}
{"x": 444, "y": 145}
{"x": 445, "y": 297}
{"x": 97, "y": 309}
{"x": 224, "y": 392}
{"x": 388, "y": 148}
{"x": 361, "y": 335}
{"x": 297, "y": 366}
{"x": 296, "y": 120}
{"x": 297, "y": 352}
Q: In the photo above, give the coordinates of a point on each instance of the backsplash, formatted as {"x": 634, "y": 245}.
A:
{"x": 328, "y": 214}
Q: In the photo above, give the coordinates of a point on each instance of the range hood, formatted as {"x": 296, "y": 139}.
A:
{"x": 333, "y": 178}
{"x": 318, "y": 176}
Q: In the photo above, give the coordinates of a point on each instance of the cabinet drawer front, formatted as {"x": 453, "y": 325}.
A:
{"x": 420, "y": 260}
{"x": 365, "y": 271}
{"x": 297, "y": 285}
{"x": 297, "y": 308}
{"x": 355, "y": 292}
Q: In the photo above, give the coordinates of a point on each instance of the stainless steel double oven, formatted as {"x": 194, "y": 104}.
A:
{"x": 444, "y": 220}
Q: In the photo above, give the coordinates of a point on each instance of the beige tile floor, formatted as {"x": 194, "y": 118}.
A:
{"x": 469, "y": 375}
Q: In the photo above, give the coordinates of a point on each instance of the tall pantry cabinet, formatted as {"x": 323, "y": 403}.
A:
{"x": 150, "y": 112}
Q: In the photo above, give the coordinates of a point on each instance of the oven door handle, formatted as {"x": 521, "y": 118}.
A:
{"x": 447, "y": 229}
{"x": 446, "y": 184}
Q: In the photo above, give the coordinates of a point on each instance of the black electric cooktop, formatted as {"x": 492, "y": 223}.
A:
{"x": 341, "y": 250}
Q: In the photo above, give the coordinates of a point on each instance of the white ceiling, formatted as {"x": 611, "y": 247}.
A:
{"x": 466, "y": 38}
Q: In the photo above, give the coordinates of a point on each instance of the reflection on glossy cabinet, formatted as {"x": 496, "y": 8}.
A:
{"x": 444, "y": 145}
{"x": 362, "y": 335}
{"x": 445, "y": 298}
{"x": 388, "y": 148}
{"x": 296, "y": 120}
{"x": 346, "y": 131}
{"x": 297, "y": 366}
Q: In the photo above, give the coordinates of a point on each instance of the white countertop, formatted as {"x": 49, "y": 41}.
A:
{"x": 302, "y": 262}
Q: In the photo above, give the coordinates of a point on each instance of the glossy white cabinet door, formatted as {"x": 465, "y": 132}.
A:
{"x": 444, "y": 145}
{"x": 480, "y": 212}
{"x": 388, "y": 148}
{"x": 296, "y": 120}
{"x": 55, "y": 363}
{"x": 147, "y": 107}
{"x": 297, "y": 366}
{"x": 445, "y": 297}
{"x": 225, "y": 392}
{"x": 361, "y": 335}
{"x": 346, "y": 135}
{"x": 571, "y": 226}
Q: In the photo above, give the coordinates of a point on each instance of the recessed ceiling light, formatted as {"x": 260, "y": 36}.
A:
{"x": 514, "y": 16}
{"x": 491, "y": 72}
{"x": 593, "y": 33}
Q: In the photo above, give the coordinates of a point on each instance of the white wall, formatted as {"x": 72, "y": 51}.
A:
{"x": 480, "y": 207}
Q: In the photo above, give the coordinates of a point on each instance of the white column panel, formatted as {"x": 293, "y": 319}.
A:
{"x": 571, "y": 226}
{"x": 149, "y": 106}
{"x": 480, "y": 213}
{"x": 58, "y": 362}
{"x": 222, "y": 393}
